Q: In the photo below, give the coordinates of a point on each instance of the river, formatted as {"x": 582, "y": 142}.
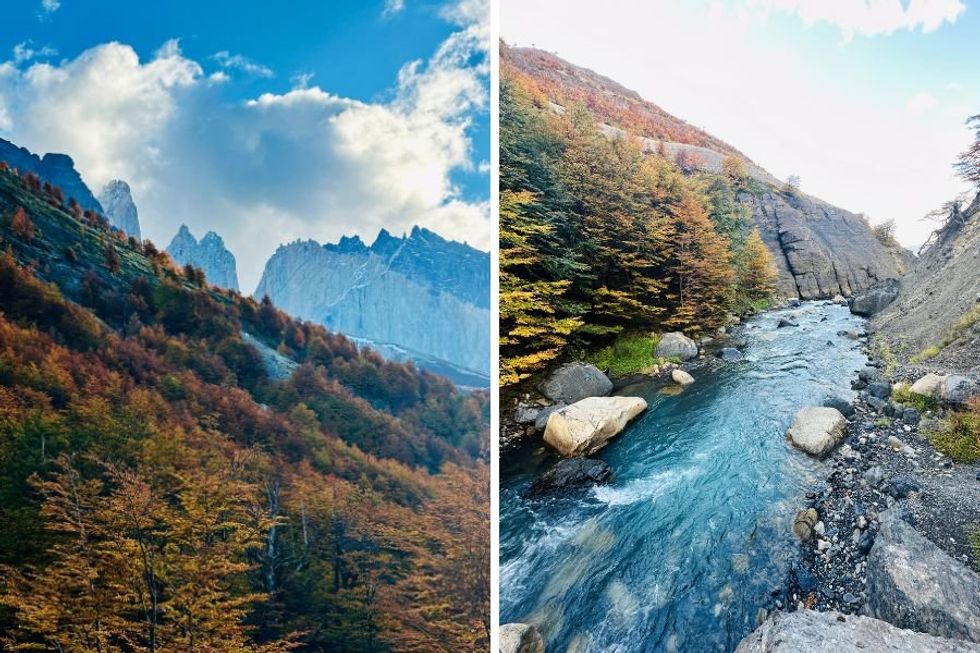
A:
{"x": 693, "y": 536}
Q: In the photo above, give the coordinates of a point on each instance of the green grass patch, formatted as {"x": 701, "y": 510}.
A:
{"x": 883, "y": 422}
{"x": 628, "y": 354}
{"x": 922, "y": 403}
{"x": 881, "y": 350}
{"x": 973, "y": 539}
{"x": 958, "y": 436}
{"x": 929, "y": 352}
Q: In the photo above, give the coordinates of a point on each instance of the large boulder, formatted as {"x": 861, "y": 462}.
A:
{"x": 833, "y": 632}
{"x": 587, "y": 425}
{"x": 874, "y": 300}
{"x": 680, "y": 377}
{"x": 913, "y": 584}
{"x": 957, "y": 390}
{"x": 520, "y": 638}
{"x": 676, "y": 345}
{"x": 928, "y": 385}
{"x": 575, "y": 381}
{"x": 817, "y": 430}
{"x": 569, "y": 474}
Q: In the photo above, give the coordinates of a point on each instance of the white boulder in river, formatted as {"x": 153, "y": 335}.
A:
{"x": 587, "y": 425}
{"x": 817, "y": 430}
{"x": 520, "y": 638}
{"x": 681, "y": 377}
{"x": 833, "y": 632}
{"x": 676, "y": 345}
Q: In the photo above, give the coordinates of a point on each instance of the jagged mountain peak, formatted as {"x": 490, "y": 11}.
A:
{"x": 57, "y": 169}
{"x": 209, "y": 254}
{"x": 117, "y": 200}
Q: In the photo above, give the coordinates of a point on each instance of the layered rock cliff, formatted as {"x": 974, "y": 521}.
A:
{"x": 821, "y": 250}
{"x": 421, "y": 292}
{"x": 117, "y": 201}
{"x": 209, "y": 254}
{"x": 57, "y": 169}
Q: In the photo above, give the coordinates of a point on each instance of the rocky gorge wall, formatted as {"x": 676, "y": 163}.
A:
{"x": 421, "y": 293}
{"x": 821, "y": 250}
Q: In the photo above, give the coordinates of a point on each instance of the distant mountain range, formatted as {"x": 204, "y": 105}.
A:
{"x": 422, "y": 293}
{"x": 820, "y": 250}
{"x": 208, "y": 254}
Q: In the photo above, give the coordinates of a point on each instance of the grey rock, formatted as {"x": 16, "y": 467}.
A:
{"x": 676, "y": 345}
{"x": 899, "y": 487}
{"x": 520, "y": 638}
{"x": 880, "y": 389}
{"x": 574, "y": 381}
{"x": 875, "y": 299}
{"x": 120, "y": 209}
{"x": 730, "y": 355}
{"x": 832, "y": 632}
{"x": 784, "y": 322}
{"x": 843, "y": 405}
{"x": 914, "y": 584}
{"x": 877, "y": 404}
{"x": 526, "y": 414}
{"x": 209, "y": 255}
{"x": 910, "y": 416}
{"x": 569, "y": 474}
{"x": 957, "y": 390}
{"x": 874, "y": 475}
{"x": 817, "y": 430}
{"x": 542, "y": 419}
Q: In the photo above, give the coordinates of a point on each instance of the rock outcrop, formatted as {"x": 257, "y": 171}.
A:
{"x": 209, "y": 254}
{"x": 913, "y": 584}
{"x": 676, "y": 345}
{"x": 574, "y": 381}
{"x": 817, "y": 430}
{"x": 587, "y": 425}
{"x": 680, "y": 377}
{"x": 875, "y": 299}
{"x": 421, "y": 292}
{"x": 833, "y": 632}
{"x": 57, "y": 169}
{"x": 117, "y": 202}
{"x": 938, "y": 296}
{"x": 569, "y": 474}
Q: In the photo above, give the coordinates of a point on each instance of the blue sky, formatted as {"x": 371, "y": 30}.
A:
{"x": 311, "y": 120}
{"x": 865, "y": 101}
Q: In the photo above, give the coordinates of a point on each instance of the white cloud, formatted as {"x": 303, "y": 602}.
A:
{"x": 393, "y": 7}
{"x": 871, "y": 17}
{"x": 921, "y": 103}
{"x": 50, "y": 6}
{"x": 24, "y": 52}
{"x": 244, "y": 64}
{"x": 305, "y": 163}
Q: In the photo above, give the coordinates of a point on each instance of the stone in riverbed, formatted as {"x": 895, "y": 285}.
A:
{"x": 680, "y": 377}
{"x": 928, "y": 385}
{"x": 520, "y": 638}
{"x": 784, "y": 322}
{"x": 914, "y": 584}
{"x": 542, "y": 419}
{"x": 833, "y": 632}
{"x": 676, "y": 345}
{"x": 843, "y": 405}
{"x": 899, "y": 487}
{"x": 571, "y": 474}
{"x": 817, "y": 430}
{"x": 587, "y": 425}
{"x": 804, "y": 524}
{"x": 730, "y": 355}
{"x": 880, "y": 389}
{"x": 874, "y": 299}
{"x": 574, "y": 381}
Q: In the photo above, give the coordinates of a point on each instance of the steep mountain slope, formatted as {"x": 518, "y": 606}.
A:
{"x": 208, "y": 254}
{"x": 254, "y": 505}
{"x": 821, "y": 250}
{"x": 120, "y": 209}
{"x": 938, "y": 305}
{"x": 421, "y": 292}
{"x": 57, "y": 169}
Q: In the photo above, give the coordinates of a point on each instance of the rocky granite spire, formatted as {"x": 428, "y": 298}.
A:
{"x": 56, "y": 169}
{"x": 209, "y": 254}
{"x": 419, "y": 292}
{"x": 119, "y": 208}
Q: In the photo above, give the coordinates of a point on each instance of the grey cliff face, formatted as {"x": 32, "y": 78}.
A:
{"x": 821, "y": 250}
{"x": 119, "y": 208}
{"x": 57, "y": 169}
{"x": 421, "y": 293}
{"x": 209, "y": 254}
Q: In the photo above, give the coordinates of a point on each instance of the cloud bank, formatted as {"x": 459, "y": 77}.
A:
{"x": 301, "y": 164}
{"x": 871, "y": 17}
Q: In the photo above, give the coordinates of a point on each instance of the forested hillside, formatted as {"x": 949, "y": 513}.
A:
{"x": 164, "y": 487}
{"x": 599, "y": 239}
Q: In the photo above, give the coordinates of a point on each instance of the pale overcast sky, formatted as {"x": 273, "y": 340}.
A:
{"x": 864, "y": 99}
